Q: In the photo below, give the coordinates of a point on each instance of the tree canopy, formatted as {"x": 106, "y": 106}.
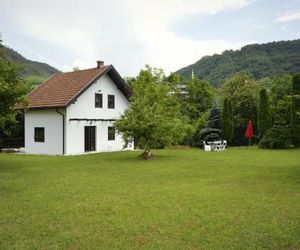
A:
{"x": 12, "y": 89}
{"x": 154, "y": 115}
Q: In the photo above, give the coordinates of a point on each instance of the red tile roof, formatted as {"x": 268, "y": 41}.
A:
{"x": 60, "y": 89}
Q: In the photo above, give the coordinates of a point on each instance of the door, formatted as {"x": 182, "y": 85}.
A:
{"x": 89, "y": 138}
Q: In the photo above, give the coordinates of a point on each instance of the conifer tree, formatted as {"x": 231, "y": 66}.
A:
{"x": 227, "y": 121}
{"x": 264, "y": 118}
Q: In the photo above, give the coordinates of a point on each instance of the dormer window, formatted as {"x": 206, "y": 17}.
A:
{"x": 111, "y": 101}
{"x": 98, "y": 100}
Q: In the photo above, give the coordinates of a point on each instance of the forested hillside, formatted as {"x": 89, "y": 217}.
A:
{"x": 261, "y": 60}
{"x": 33, "y": 71}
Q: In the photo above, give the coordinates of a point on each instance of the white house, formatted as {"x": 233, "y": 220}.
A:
{"x": 73, "y": 112}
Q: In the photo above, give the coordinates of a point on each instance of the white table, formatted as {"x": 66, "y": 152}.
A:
{"x": 217, "y": 145}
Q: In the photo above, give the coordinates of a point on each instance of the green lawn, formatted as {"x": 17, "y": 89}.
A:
{"x": 183, "y": 199}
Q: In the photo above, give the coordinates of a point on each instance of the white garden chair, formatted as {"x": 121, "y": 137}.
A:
{"x": 206, "y": 147}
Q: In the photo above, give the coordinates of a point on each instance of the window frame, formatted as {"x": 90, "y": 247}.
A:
{"x": 109, "y": 133}
{"x": 39, "y": 134}
{"x": 101, "y": 100}
{"x": 108, "y": 101}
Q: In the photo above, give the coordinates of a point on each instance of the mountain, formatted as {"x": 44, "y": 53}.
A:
{"x": 261, "y": 60}
{"x": 36, "y": 72}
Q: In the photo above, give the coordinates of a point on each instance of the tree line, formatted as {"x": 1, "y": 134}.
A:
{"x": 188, "y": 111}
{"x": 260, "y": 60}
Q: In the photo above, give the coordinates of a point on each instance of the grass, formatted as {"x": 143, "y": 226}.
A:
{"x": 183, "y": 199}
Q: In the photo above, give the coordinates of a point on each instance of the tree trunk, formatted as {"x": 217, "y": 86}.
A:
{"x": 146, "y": 155}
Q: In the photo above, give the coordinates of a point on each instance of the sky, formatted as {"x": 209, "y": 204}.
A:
{"x": 167, "y": 34}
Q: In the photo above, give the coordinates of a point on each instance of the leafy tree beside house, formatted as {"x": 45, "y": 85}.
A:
{"x": 154, "y": 115}
{"x": 12, "y": 89}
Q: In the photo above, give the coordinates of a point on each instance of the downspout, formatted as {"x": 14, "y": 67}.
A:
{"x": 63, "y": 130}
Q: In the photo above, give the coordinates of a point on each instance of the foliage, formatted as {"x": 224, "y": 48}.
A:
{"x": 227, "y": 121}
{"x": 296, "y": 84}
{"x": 264, "y": 120}
{"x": 210, "y": 134}
{"x": 29, "y": 68}
{"x": 12, "y": 91}
{"x": 194, "y": 137}
{"x": 154, "y": 115}
{"x": 215, "y": 118}
{"x": 12, "y": 133}
{"x": 278, "y": 137}
{"x": 213, "y": 130}
{"x": 242, "y": 91}
{"x": 200, "y": 95}
{"x": 261, "y": 60}
{"x": 280, "y": 88}
{"x": 295, "y": 119}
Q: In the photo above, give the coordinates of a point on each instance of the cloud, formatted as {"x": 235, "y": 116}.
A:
{"x": 128, "y": 34}
{"x": 288, "y": 16}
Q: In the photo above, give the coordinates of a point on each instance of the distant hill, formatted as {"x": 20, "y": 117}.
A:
{"x": 36, "y": 72}
{"x": 261, "y": 60}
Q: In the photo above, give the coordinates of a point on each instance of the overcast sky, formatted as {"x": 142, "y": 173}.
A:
{"x": 169, "y": 34}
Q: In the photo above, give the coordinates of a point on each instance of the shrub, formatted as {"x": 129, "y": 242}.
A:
{"x": 278, "y": 137}
{"x": 210, "y": 134}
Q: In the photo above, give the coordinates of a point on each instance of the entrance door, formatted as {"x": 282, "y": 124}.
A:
{"x": 89, "y": 138}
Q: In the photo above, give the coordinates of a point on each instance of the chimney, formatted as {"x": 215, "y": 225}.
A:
{"x": 100, "y": 64}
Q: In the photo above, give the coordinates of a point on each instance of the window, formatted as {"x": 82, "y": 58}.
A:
{"x": 111, "y": 101}
{"x": 111, "y": 133}
{"x": 98, "y": 100}
{"x": 39, "y": 134}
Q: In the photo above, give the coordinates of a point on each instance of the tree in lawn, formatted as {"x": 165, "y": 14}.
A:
{"x": 12, "y": 89}
{"x": 198, "y": 99}
{"x": 200, "y": 96}
{"x": 242, "y": 90}
{"x": 264, "y": 120}
{"x": 213, "y": 130}
{"x": 279, "y": 135}
{"x": 295, "y": 119}
{"x": 154, "y": 115}
{"x": 227, "y": 121}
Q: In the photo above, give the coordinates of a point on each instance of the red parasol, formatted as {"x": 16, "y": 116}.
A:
{"x": 249, "y": 131}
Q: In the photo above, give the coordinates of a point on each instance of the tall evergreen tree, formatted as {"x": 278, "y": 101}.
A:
{"x": 214, "y": 118}
{"x": 227, "y": 121}
{"x": 295, "y": 119}
{"x": 213, "y": 130}
{"x": 264, "y": 118}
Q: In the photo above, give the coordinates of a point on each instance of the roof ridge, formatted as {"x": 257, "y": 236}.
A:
{"x": 104, "y": 70}
{"x": 61, "y": 89}
{"x": 69, "y": 72}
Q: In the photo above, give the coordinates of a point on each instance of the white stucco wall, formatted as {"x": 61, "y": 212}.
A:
{"x": 84, "y": 107}
{"x": 52, "y": 122}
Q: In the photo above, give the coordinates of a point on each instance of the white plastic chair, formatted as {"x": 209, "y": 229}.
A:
{"x": 206, "y": 147}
